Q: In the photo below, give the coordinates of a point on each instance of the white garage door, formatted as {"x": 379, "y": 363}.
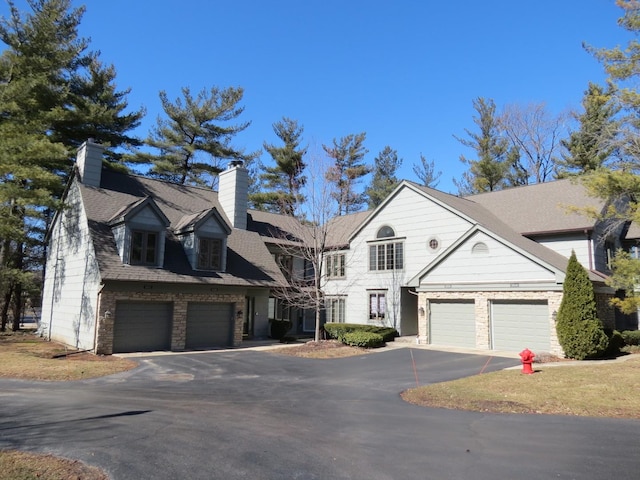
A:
{"x": 519, "y": 325}
{"x": 142, "y": 326}
{"x": 209, "y": 325}
{"x": 453, "y": 324}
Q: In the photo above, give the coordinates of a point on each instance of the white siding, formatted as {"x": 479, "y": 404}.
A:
{"x": 211, "y": 228}
{"x": 565, "y": 244}
{"x": 146, "y": 218}
{"x": 414, "y": 219}
{"x": 500, "y": 264}
{"x": 72, "y": 281}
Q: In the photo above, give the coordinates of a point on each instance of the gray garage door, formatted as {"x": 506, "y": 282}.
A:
{"x": 209, "y": 325}
{"x": 453, "y": 324}
{"x": 519, "y": 325}
{"x": 142, "y": 326}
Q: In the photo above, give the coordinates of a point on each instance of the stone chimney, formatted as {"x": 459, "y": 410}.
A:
{"x": 89, "y": 163}
{"x": 233, "y": 193}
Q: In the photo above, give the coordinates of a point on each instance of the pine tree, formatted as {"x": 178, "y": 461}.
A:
{"x": 99, "y": 112}
{"x": 588, "y": 148}
{"x": 579, "y": 330}
{"x": 40, "y": 70}
{"x": 384, "y": 179}
{"x": 488, "y": 172}
{"x": 281, "y": 184}
{"x": 195, "y": 137}
{"x": 347, "y": 171}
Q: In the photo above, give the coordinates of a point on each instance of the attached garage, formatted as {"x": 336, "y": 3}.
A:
{"x": 452, "y": 323}
{"x": 209, "y": 325}
{"x": 516, "y": 325}
{"x": 142, "y": 326}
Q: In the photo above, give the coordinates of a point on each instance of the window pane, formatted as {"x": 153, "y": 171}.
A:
{"x": 385, "y": 232}
{"x": 372, "y": 257}
{"x": 382, "y": 305}
{"x": 381, "y": 257}
{"x": 216, "y": 247}
{"x": 373, "y": 305}
{"x": 341, "y": 265}
{"x": 390, "y": 256}
{"x": 150, "y": 256}
{"x": 399, "y": 256}
{"x": 136, "y": 247}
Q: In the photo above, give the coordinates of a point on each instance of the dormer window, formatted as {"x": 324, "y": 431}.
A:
{"x": 204, "y": 238}
{"x": 144, "y": 248}
{"x": 139, "y": 232}
{"x": 209, "y": 254}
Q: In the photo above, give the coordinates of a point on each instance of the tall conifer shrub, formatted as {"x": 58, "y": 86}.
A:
{"x": 579, "y": 330}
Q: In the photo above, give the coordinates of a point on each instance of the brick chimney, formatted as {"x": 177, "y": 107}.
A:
{"x": 233, "y": 193}
{"x": 89, "y": 163}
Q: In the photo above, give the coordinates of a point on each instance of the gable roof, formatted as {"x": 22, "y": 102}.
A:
{"x": 479, "y": 214}
{"x": 193, "y": 221}
{"x": 541, "y": 208}
{"x": 137, "y": 206}
{"x": 249, "y": 263}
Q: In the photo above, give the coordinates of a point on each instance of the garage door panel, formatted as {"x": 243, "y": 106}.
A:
{"x": 209, "y": 325}
{"x": 453, "y": 324}
{"x": 142, "y": 326}
{"x": 517, "y": 325}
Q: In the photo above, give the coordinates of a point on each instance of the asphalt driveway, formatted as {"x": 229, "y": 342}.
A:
{"x": 256, "y": 415}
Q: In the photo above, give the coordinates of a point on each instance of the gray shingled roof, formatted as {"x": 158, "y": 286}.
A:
{"x": 342, "y": 227}
{"x": 482, "y": 216}
{"x": 541, "y": 208}
{"x": 249, "y": 263}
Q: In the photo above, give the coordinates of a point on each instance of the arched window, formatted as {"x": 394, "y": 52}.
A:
{"x": 385, "y": 253}
{"x": 480, "y": 248}
{"x": 385, "y": 232}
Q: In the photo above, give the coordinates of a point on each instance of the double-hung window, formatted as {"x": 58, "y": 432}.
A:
{"x": 377, "y": 305}
{"x": 335, "y": 265}
{"x": 335, "y": 309}
{"x": 144, "y": 248}
{"x": 210, "y": 253}
{"x": 386, "y": 256}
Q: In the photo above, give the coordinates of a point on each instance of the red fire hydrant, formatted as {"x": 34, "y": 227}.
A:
{"x": 527, "y": 357}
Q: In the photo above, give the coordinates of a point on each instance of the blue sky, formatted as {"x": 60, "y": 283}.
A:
{"x": 404, "y": 71}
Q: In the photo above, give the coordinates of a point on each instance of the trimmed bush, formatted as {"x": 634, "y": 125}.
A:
{"x": 279, "y": 328}
{"x": 616, "y": 342}
{"x": 579, "y": 330}
{"x": 339, "y": 330}
{"x": 363, "y": 339}
{"x": 631, "y": 337}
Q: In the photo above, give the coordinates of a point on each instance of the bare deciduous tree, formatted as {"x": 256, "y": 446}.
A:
{"x": 536, "y": 133}
{"x": 307, "y": 237}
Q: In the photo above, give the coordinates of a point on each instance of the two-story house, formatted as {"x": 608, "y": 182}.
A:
{"x": 485, "y": 271}
{"x": 137, "y": 264}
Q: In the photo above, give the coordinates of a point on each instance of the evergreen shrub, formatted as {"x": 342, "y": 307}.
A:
{"x": 579, "y": 330}
{"x": 279, "y": 328}
{"x": 338, "y": 330}
{"x": 363, "y": 339}
{"x": 631, "y": 337}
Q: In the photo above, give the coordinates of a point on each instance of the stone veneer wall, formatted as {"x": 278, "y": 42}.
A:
{"x": 107, "y": 310}
{"x": 482, "y": 302}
